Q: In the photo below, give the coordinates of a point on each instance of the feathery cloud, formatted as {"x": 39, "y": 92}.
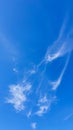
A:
{"x": 62, "y": 46}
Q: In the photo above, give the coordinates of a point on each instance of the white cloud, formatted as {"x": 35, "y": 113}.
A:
{"x": 34, "y": 125}
{"x": 29, "y": 114}
{"x": 55, "y": 84}
{"x": 59, "y": 49}
{"x": 43, "y": 99}
{"x": 27, "y": 87}
{"x": 18, "y": 96}
{"x": 43, "y": 109}
{"x": 33, "y": 71}
{"x": 15, "y": 70}
{"x": 44, "y": 105}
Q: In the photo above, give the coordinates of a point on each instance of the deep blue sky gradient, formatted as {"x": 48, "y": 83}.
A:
{"x": 27, "y": 28}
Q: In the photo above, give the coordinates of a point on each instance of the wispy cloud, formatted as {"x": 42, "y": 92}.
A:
{"x": 33, "y": 125}
{"x": 56, "y": 83}
{"x": 59, "y": 49}
{"x": 68, "y": 116}
{"x": 62, "y": 46}
{"x": 44, "y": 105}
{"x": 43, "y": 99}
{"x": 8, "y": 46}
{"x": 29, "y": 114}
{"x": 15, "y": 70}
{"x": 42, "y": 109}
{"x": 36, "y": 75}
{"x": 32, "y": 71}
{"x": 18, "y": 96}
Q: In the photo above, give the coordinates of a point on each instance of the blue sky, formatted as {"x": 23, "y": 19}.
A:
{"x": 36, "y": 75}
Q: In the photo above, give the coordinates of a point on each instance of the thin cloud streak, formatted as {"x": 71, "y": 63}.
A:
{"x": 61, "y": 47}
{"x": 55, "y": 84}
{"x": 68, "y": 116}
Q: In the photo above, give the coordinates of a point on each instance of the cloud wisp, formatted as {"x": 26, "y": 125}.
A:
{"x": 68, "y": 116}
{"x": 44, "y": 104}
{"x": 8, "y": 47}
{"x": 34, "y": 125}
